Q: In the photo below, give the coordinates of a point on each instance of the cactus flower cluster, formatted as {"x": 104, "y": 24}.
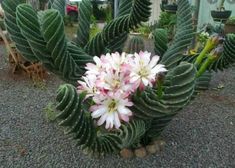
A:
{"x": 112, "y": 79}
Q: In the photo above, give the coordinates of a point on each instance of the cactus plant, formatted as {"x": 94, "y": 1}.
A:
{"x": 160, "y": 38}
{"x": 136, "y": 44}
{"x": 40, "y": 37}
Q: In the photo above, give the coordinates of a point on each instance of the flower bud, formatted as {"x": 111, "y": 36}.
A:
{"x": 214, "y": 40}
{"x": 211, "y": 43}
{"x": 212, "y": 57}
{"x": 217, "y": 52}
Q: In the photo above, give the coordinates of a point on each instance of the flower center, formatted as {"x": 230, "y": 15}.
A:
{"x": 112, "y": 106}
{"x": 116, "y": 83}
{"x": 94, "y": 90}
{"x": 143, "y": 72}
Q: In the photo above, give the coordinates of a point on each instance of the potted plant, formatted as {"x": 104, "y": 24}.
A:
{"x": 170, "y": 6}
{"x": 163, "y": 3}
{"x": 230, "y": 25}
{"x": 221, "y": 15}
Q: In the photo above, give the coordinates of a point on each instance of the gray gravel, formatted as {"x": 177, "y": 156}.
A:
{"x": 202, "y": 135}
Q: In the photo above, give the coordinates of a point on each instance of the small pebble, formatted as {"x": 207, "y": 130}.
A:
{"x": 126, "y": 153}
{"x": 152, "y": 149}
{"x": 141, "y": 152}
{"x": 160, "y": 143}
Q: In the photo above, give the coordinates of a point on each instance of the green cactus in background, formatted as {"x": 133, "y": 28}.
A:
{"x": 36, "y": 42}
{"x": 136, "y": 44}
{"x": 160, "y": 41}
{"x": 40, "y": 37}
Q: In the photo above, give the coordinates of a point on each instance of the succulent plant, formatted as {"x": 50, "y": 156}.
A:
{"x": 136, "y": 44}
{"x": 161, "y": 40}
{"x": 231, "y": 20}
{"x": 40, "y": 37}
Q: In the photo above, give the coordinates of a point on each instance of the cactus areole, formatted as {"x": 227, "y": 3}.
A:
{"x": 115, "y": 100}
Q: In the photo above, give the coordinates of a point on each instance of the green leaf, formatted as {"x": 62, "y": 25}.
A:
{"x": 160, "y": 41}
{"x": 140, "y": 12}
{"x": 203, "y": 81}
{"x": 125, "y": 7}
{"x": 45, "y": 35}
{"x": 84, "y": 20}
{"x": 183, "y": 36}
{"x": 178, "y": 87}
{"x": 117, "y": 44}
{"x": 59, "y": 5}
{"x": 21, "y": 42}
{"x": 79, "y": 124}
{"x": 132, "y": 132}
{"x": 27, "y": 21}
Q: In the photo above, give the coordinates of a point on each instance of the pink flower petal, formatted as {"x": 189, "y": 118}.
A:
{"x": 124, "y": 117}
{"x": 141, "y": 86}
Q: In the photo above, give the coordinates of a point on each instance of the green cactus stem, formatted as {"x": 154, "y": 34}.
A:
{"x": 214, "y": 56}
{"x": 210, "y": 44}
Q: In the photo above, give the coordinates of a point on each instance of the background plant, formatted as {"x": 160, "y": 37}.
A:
{"x": 231, "y": 20}
{"x": 167, "y": 21}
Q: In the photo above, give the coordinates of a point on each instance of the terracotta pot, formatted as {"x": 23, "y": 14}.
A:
{"x": 229, "y": 28}
{"x": 221, "y": 16}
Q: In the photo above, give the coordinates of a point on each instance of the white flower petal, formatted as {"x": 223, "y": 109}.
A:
{"x": 145, "y": 57}
{"x": 125, "y": 102}
{"x": 109, "y": 121}
{"x": 123, "y": 110}
{"x": 97, "y": 60}
{"x": 134, "y": 78}
{"x": 107, "y": 124}
{"x": 117, "y": 122}
{"x": 102, "y": 119}
{"x": 158, "y": 68}
{"x": 145, "y": 81}
{"x": 99, "y": 112}
{"x": 154, "y": 61}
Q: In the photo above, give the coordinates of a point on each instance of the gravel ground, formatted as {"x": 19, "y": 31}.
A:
{"x": 202, "y": 135}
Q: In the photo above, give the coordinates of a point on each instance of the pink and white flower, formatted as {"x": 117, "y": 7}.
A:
{"x": 112, "y": 79}
{"x": 144, "y": 69}
{"x": 94, "y": 69}
{"x": 88, "y": 85}
{"x": 111, "y": 110}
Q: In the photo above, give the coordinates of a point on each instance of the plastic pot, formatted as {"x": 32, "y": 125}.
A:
{"x": 221, "y": 16}
{"x": 171, "y": 8}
